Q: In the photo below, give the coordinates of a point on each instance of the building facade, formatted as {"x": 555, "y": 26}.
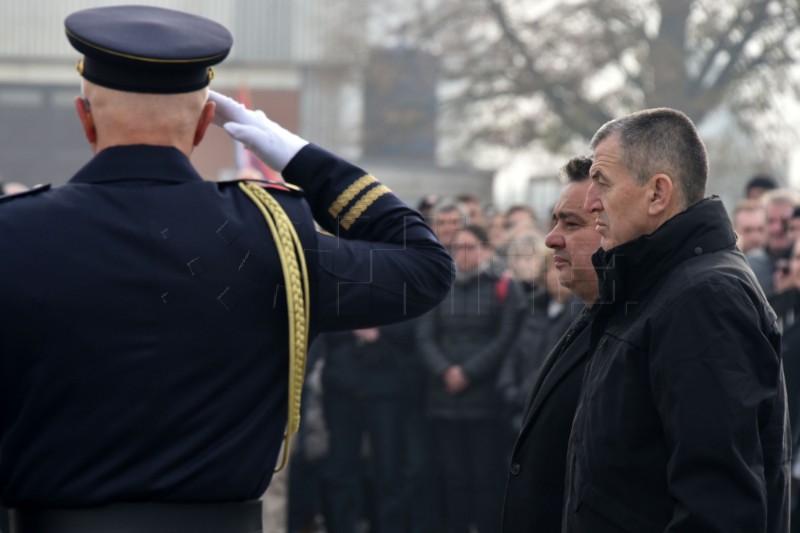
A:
{"x": 305, "y": 62}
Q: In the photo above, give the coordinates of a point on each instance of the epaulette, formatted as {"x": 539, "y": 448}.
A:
{"x": 273, "y": 185}
{"x": 33, "y": 190}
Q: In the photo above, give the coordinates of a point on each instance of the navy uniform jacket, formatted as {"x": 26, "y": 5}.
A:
{"x": 143, "y": 328}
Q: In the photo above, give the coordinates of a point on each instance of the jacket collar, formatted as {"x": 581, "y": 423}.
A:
{"x": 629, "y": 270}
{"x": 138, "y": 162}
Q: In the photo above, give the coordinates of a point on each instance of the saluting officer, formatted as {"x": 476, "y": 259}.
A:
{"x": 148, "y": 317}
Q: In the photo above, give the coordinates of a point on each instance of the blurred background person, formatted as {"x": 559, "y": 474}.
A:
{"x": 526, "y": 260}
{"x": 545, "y": 318}
{"x": 759, "y": 184}
{"x": 520, "y": 218}
{"x": 497, "y": 232}
{"x": 422, "y": 472}
{"x": 448, "y": 218}
{"x": 309, "y": 450}
{"x": 782, "y": 278}
{"x": 786, "y": 303}
{"x": 793, "y": 227}
{"x": 363, "y": 380}
{"x": 778, "y": 205}
{"x": 750, "y": 225}
{"x": 463, "y": 342}
{"x": 496, "y": 228}
{"x": 471, "y": 204}
{"x": 787, "y": 306}
{"x": 426, "y": 205}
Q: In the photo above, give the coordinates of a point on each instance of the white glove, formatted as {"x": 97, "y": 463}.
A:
{"x": 273, "y": 144}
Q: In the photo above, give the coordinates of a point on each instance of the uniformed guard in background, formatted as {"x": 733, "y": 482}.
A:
{"x": 150, "y": 320}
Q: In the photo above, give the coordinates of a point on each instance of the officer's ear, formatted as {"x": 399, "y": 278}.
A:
{"x": 84, "y": 111}
{"x": 206, "y": 117}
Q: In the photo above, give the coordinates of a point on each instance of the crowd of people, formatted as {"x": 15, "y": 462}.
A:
{"x": 767, "y": 223}
{"x": 419, "y": 419}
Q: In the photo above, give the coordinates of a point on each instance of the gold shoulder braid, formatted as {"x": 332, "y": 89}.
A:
{"x": 295, "y": 274}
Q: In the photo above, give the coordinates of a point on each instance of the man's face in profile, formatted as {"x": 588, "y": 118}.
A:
{"x": 616, "y": 198}
{"x": 574, "y": 239}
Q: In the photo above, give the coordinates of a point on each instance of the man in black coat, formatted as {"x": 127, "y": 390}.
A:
{"x": 365, "y": 383}
{"x": 682, "y": 424}
{"x": 535, "y": 486}
{"x": 148, "y": 315}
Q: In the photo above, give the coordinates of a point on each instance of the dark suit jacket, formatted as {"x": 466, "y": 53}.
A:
{"x": 535, "y": 488}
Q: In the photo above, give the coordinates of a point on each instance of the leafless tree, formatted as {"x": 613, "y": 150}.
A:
{"x": 520, "y": 71}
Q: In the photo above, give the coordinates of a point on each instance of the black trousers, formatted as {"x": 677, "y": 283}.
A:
{"x": 233, "y": 517}
{"x": 422, "y": 472}
{"x": 472, "y": 456}
{"x": 349, "y": 419}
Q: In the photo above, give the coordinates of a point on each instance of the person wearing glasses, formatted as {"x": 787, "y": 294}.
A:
{"x": 462, "y": 342}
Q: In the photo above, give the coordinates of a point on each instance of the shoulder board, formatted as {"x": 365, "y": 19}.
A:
{"x": 272, "y": 185}
{"x": 33, "y": 190}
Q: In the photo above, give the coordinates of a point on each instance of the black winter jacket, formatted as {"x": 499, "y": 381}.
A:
{"x": 381, "y": 369}
{"x": 682, "y": 425}
{"x": 474, "y": 329}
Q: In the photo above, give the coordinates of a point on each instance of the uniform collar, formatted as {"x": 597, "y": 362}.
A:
{"x": 138, "y": 162}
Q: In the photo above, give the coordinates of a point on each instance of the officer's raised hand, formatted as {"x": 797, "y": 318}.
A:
{"x": 272, "y": 143}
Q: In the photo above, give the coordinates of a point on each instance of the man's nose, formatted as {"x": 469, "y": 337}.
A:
{"x": 554, "y": 240}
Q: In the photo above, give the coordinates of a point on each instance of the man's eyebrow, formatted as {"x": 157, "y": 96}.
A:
{"x": 595, "y": 174}
{"x": 563, "y": 215}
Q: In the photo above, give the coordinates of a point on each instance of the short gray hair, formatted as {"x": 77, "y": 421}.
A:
{"x": 661, "y": 140}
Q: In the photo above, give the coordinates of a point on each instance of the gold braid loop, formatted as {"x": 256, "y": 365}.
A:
{"x": 295, "y": 273}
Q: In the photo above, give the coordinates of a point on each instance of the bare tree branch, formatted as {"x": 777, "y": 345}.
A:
{"x": 735, "y": 50}
{"x": 528, "y": 73}
{"x": 562, "y": 99}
